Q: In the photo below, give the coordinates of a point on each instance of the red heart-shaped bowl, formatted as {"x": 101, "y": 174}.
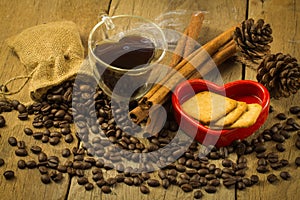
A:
{"x": 242, "y": 90}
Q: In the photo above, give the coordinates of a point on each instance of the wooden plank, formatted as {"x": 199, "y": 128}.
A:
{"x": 283, "y": 17}
{"x": 15, "y": 16}
{"x": 231, "y": 13}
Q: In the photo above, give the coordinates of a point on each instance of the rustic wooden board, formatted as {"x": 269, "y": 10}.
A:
{"x": 232, "y": 12}
{"x": 15, "y": 16}
{"x": 283, "y": 17}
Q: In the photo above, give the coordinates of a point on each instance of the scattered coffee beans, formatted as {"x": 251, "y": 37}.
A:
{"x": 285, "y": 175}
{"x": 9, "y": 174}
{"x": 1, "y": 162}
{"x": 21, "y": 164}
{"x": 272, "y": 178}
{"x": 2, "y": 121}
{"x": 12, "y": 141}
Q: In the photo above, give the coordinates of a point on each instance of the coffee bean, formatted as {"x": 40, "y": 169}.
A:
{"x": 23, "y": 116}
{"x": 214, "y": 182}
{"x": 198, "y": 194}
{"x": 111, "y": 181}
{"x": 2, "y": 162}
{"x": 254, "y": 179}
{"x": 89, "y": 186}
{"x": 56, "y": 177}
{"x": 69, "y": 138}
{"x": 42, "y": 157}
{"x": 45, "y": 139}
{"x": 31, "y": 164}
{"x": 262, "y": 169}
{"x": 165, "y": 183}
{"x": 2, "y": 121}
{"x": 297, "y": 161}
{"x": 262, "y": 162}
{"x": 281, "y": 116}
{"x": 186, "y": 187}
{"x": 82, "y": 180}
{"x": 37, "y": 135}
{"x": 45, "y": 178}
{"x": 280, "y": 147}
{"x": 210, "y": 189}
{"x": 272, "y": 178}
{"x": 62, "y": 168}
{"x": 12, "y": 141}
{"x": 28, "y": 131}
{"x": 229, "y": 182}
{"x": 247, "y": 182}
{"x": 227, "y": 163}
{"x": 284, "y": 162}
{"x": 260, "y": 148}
{"x": 295, "y": 109}
{"x": 240, "y": 149}
{"x": 9, "y": 174}
{"x": 35, "y": 149}
{"x": 37, "y": 124}
{"x": 128, "y": 181}
{"x": 66, "y": 152}
{"x": 105, "y": 189}
{"x": 54, "y": 140}
{"x": 285, "y": 175}
{"x": 21, "y": 108}
{"x": 153, "y": 183}
{"x": 21, "y": 152}
{"x": 276, "y": 137}
{"x": 144, "y": 189}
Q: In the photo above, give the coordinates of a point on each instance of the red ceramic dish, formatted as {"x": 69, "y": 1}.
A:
{"x": 243, "y": 90}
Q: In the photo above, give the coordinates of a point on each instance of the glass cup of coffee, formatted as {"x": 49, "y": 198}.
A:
{"x": 125, "y": 52}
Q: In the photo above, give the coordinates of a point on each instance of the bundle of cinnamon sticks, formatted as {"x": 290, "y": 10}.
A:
{"x": 187, "y": 63}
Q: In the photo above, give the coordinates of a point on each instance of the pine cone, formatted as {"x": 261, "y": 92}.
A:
{"x": 253, "y": 39}
{"x": 280, "y": 74}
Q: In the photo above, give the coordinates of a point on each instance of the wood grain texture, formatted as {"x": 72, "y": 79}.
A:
{"x": 220, "y": 15}
{"x": 283, "y": 16}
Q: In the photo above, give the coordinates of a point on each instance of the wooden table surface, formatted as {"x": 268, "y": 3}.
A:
{"x": 16, "y": 15}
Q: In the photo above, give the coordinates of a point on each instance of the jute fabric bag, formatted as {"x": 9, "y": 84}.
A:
{"x": 51, "y": 53}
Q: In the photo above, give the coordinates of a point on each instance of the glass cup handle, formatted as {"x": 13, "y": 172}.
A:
{"x": 107, "y": 21}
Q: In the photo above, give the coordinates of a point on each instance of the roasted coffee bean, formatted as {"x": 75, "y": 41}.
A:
{"x": 203, "y": 172}
{"x": 31, "y": 164}
{"x": 227, "y": 163}
{"x": 241, "y": 185}
{"x": 260, "y": 148}
{"x": 62, "y": 168}
{"x": 21, "y": 164}
{"x": 2, "y": 121}
{"x": 162, "y": 174}
{"x": 43, "y": 169}
{"x": 1, "y": 162}
{"x": 111, "y": 181}
{"x": 23, "y": 116}
{"x": 21, "y": 108}
{"x": 295, "y": 109}
{"x": 165, "y": 183}
{"x": 105, "y": 189}
{"x": 186, "y": 187}
{"x": 89, "y": 186}
{"x": 144, "y": 189}
{"x": 12, "y": 141}
{"x": 182, "y": 181}
{"x": 45, "y": 139}
{"x": 272, "y": 178}
{"x": 82, "y": 180}
{"x": 153, "y": 183}
{"x": 145, "y": 175}
{"x": 28, "y": 131}
{"x": 285, "y": 134}
{"x": 69, "y": 138}
{"x": 128, "y": 181}
{"x": 297, "y": 161}
{"x": 254, "y": 179}
{"x": 284, "y": 162}
{"x": 36, "y": 149}
{"x": 21, "y": 144}
{"x": 198, "y": 194}
{"x": 42, "y": 157}
{"x": 55, "y": 134}
{"x": 262, "y": 169}
{"x": 261, "y": 155}
{"x": 275, "y": 166}
{"x": 54, "y": 140}
{"x": 214, "y": 182}
{"x": 97, "y": 177}
{"x": 78, "y": 157}
{"x": 37, "y": 135}
{"x": 57, "y": 177}
{"x": 247, "y": 182}
{"x": 280, "y": 147}
{"x": 53, "y": 161}
{"x": 281, "y": 116}
{"x": 45, "y": 178}
{"x": 66, "y": 152}
{"x": 262, "y": 162}
{"x": 210, "y": 176}
{"x": 240, "y": 149}
{"x": 229, "y": 182}
{"x": 285, "y": 175}
{"x": 21, "y": 152}
{"x": 278, "y": 138}
{"x": 120, "y": 178}
{"x": 210, "y": 189}
{"x": 37, "y": 124}
{"x": 9, "y": 174}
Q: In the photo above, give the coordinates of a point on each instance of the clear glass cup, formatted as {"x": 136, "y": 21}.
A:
{"x": 126, "y": 83}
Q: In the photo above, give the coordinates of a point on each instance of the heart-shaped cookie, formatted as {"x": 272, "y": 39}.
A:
{"x": 242, "y": 90}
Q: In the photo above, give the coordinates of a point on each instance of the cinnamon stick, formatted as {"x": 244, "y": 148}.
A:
{"x": 186, "y": 68}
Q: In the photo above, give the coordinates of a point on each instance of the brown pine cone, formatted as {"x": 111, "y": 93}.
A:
{"x": 253, "y": 39}
{"x": 280, "y": 74}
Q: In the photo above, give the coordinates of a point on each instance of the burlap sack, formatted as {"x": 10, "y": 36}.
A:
{"x": 52, "y": 53}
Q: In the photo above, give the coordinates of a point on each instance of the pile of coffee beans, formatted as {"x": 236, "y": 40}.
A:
{"x": 109, "y": 139}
